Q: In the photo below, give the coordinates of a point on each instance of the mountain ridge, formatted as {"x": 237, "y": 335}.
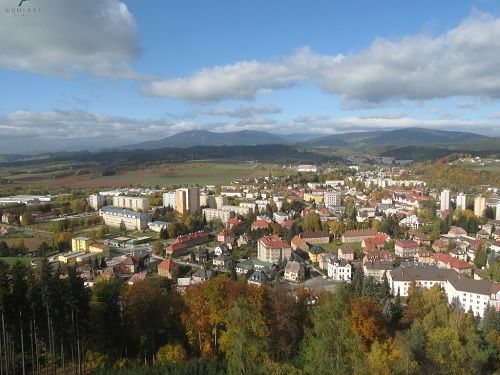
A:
{"x": 352, "y": 140}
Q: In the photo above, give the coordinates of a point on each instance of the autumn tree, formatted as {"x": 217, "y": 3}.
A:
{"x": 367, "y": 320}
{"x": 245, "y": 342}
{"x": 329, "y": 345}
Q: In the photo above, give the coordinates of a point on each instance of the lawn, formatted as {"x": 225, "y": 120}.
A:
{"x": 12, "y": 260}
{"x": 31, "y": 243}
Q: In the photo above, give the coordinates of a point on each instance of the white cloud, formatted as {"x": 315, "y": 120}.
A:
{"x": 463, "y": 61}
{"x": 28, "y": 132}
{"x": 34, "y": 131}
{"x": 68, "y": 37}
{"x": 244, "y": 111}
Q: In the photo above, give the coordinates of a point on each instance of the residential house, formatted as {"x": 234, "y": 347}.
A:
{"x": 259, "y": 224}
{"x": 377, "y": 269}
{"x": 201, "y": 255}
{"x": 222, "y": 249}
{"x": 226, "y": 236}
{"x": 294, "y": 271}
{"x": 137, "y": 278}
{"x": 315, "y": 238}
{"x": 168, "y": 268}
{"x": 298, "y": 243}
{"x": 447, "y": 261}
{"x": 202, "y": 275}
{"x": 346, "y": 252}
{"x": 424, "y": 257}
{"x": 339, "y": 269}
{"x": 456, "y": 232}
{"x": 271, "y": 248}
{"x": 406, "y": 248}
{"x": 222, "y": 261}
{"x": 324, "y": 260}
{"x": 358, "y": 235}
{"x": 315, "y": 253}
{"x": 258, "y": 278}
{"x": 440, "y": 245}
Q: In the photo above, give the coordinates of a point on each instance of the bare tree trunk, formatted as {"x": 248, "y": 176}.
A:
{"x": 62, "y": 357}
{"x": 5, "y": 345}
{"x": 31, "y": 346}
{"x": 22, "y": 342}
{"x": 1, "y": 358}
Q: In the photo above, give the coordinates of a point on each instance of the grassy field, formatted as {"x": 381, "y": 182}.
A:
{"x": 12, "y": 260}
{"x": 31, "y": 243}
{"x": 168, "y": 174}
{"x": 495, "y": 168}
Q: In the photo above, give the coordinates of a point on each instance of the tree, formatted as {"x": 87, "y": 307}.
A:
{"x": 123, "y": 227}
{"x": 489, "y": 213}
{"x": 329, "y": 345}
{"x": 367, "y": 320}
{"x": 158, "y": 248}
{"x": 311, "y": 222}
{"x": 337, "y": 228}
{"x": 146, "y": 315}
{"x": 480, "y": 258}
{"x": 107, "y": 329}
{"x": 27, "y": 219}
{"x": 245, "y": 341}
{"x": 445, "y": 351}
{"x": 171, "y": 354}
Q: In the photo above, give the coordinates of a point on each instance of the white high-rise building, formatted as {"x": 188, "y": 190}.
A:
{"x": 479, "y": 205}
{"x": 132, "y": 203}
{"x": 221, "y": 200}
{"x": 445, "y": 200}
{"x": 497, "y": 216}
{"x": 332, "y": 198}
{"x": 169, "y": 199}
{"x": 187, "y": 200}
{"x": 462, "y": 201}
{"x": 207, "y": 200}
{"x": 97, "y": 201}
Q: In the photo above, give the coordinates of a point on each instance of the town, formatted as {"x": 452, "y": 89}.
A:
{"x": 249, "y": 188}
{"x": 374, "y": 224}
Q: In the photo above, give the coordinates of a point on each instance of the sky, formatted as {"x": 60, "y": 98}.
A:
{"x": 92, "y": 74}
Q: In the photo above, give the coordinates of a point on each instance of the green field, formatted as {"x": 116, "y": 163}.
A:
{"x": 165, "y": 174}
{"x": 495, "y": 168}
{"x": 12, "y": 260}
{"x": 31, "y": 243}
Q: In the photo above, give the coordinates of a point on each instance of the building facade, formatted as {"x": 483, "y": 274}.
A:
{"x": 444, "y": 201}
{"x": 212, "y": 214}
{"x": 131, "y": 203}
{"x": 479, "y": 206}
{"x": 462, "y": 201}
{"x": 114, "y": 216}
{"x": 187, "y": 200}
{"x": 332, "y": 198}
{"x": 169, "y": 199}
{"x": 273, "y": 249}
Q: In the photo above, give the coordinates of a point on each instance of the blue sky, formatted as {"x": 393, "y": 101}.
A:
{"x": 102, "y": 73}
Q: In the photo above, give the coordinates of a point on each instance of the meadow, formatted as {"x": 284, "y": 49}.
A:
{"x": 166, "y": 174}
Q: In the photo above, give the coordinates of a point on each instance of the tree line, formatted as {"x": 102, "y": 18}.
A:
{"x": 51, "y": 323}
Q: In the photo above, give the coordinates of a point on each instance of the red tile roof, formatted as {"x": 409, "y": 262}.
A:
{"x": 167, "y": 264}
{"x": 261, "y": 224}
{"x": 361, "y": 233}
{"x": 406, "y": 244}
{"x": 452, "y": 262}
{"x": 273, "y": 242}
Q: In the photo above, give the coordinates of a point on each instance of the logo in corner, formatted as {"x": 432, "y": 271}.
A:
{"x": 21, "y": 10}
